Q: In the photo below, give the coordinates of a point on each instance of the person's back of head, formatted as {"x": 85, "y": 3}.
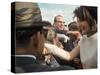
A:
{"x": 73, "y": 26}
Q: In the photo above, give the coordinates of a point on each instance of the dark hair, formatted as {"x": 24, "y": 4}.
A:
{"x": 73, "y": 26}
{"x": 88, "y": 13}
{"x": 23, "y": 34}
{"x": 55, "y": 18}
{"x": 47, "y": 24}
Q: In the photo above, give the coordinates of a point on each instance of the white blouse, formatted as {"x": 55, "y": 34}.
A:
{"x": 88, "y": 51}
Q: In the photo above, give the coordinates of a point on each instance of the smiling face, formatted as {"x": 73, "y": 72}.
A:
{"x": 59, "y": 23}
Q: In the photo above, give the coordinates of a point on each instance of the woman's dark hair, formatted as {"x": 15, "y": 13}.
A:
{"x": 73, "y": 26}
{"x": 87, "y": 13}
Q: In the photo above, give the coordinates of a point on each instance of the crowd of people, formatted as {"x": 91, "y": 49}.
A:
{"x": 42, "y": 46}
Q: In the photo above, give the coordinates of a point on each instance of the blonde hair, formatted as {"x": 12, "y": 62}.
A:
{"x": 51, "y": 34}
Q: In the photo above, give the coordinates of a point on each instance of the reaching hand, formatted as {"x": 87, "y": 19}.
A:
{"x": 53, "y": 49}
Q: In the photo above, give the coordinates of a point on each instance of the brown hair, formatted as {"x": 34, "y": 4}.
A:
{"x": 87, "y": 13}
{"x": 55, "y": 19}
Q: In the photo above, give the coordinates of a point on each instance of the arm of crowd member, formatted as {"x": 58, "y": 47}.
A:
{"x": 74, "y": 32}
{"x": 62, "y": 53}
{"x": 63, "y": 36}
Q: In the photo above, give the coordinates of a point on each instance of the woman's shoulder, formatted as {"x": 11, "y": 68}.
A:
{"x": 94, "y": 36}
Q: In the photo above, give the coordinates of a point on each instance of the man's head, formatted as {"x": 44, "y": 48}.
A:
{"x": 30, "y": 40}
{"x": 59, "y": 22}
{"x": 29, "y": 28}
{"x": 87, "y": 19}
{"x": 73, "y": 26}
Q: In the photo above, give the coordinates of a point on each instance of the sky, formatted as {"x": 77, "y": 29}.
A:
{"x": 49, "y": 11}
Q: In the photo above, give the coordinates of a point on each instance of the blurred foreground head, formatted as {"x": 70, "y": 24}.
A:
{"x": 87, "y": 19}
{"x": 29, "y": 28}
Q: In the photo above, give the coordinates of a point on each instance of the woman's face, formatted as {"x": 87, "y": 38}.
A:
{"x": 84, "y": 26}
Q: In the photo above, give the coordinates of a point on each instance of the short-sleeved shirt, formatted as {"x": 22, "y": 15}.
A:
{"x": 88, "y": 51}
